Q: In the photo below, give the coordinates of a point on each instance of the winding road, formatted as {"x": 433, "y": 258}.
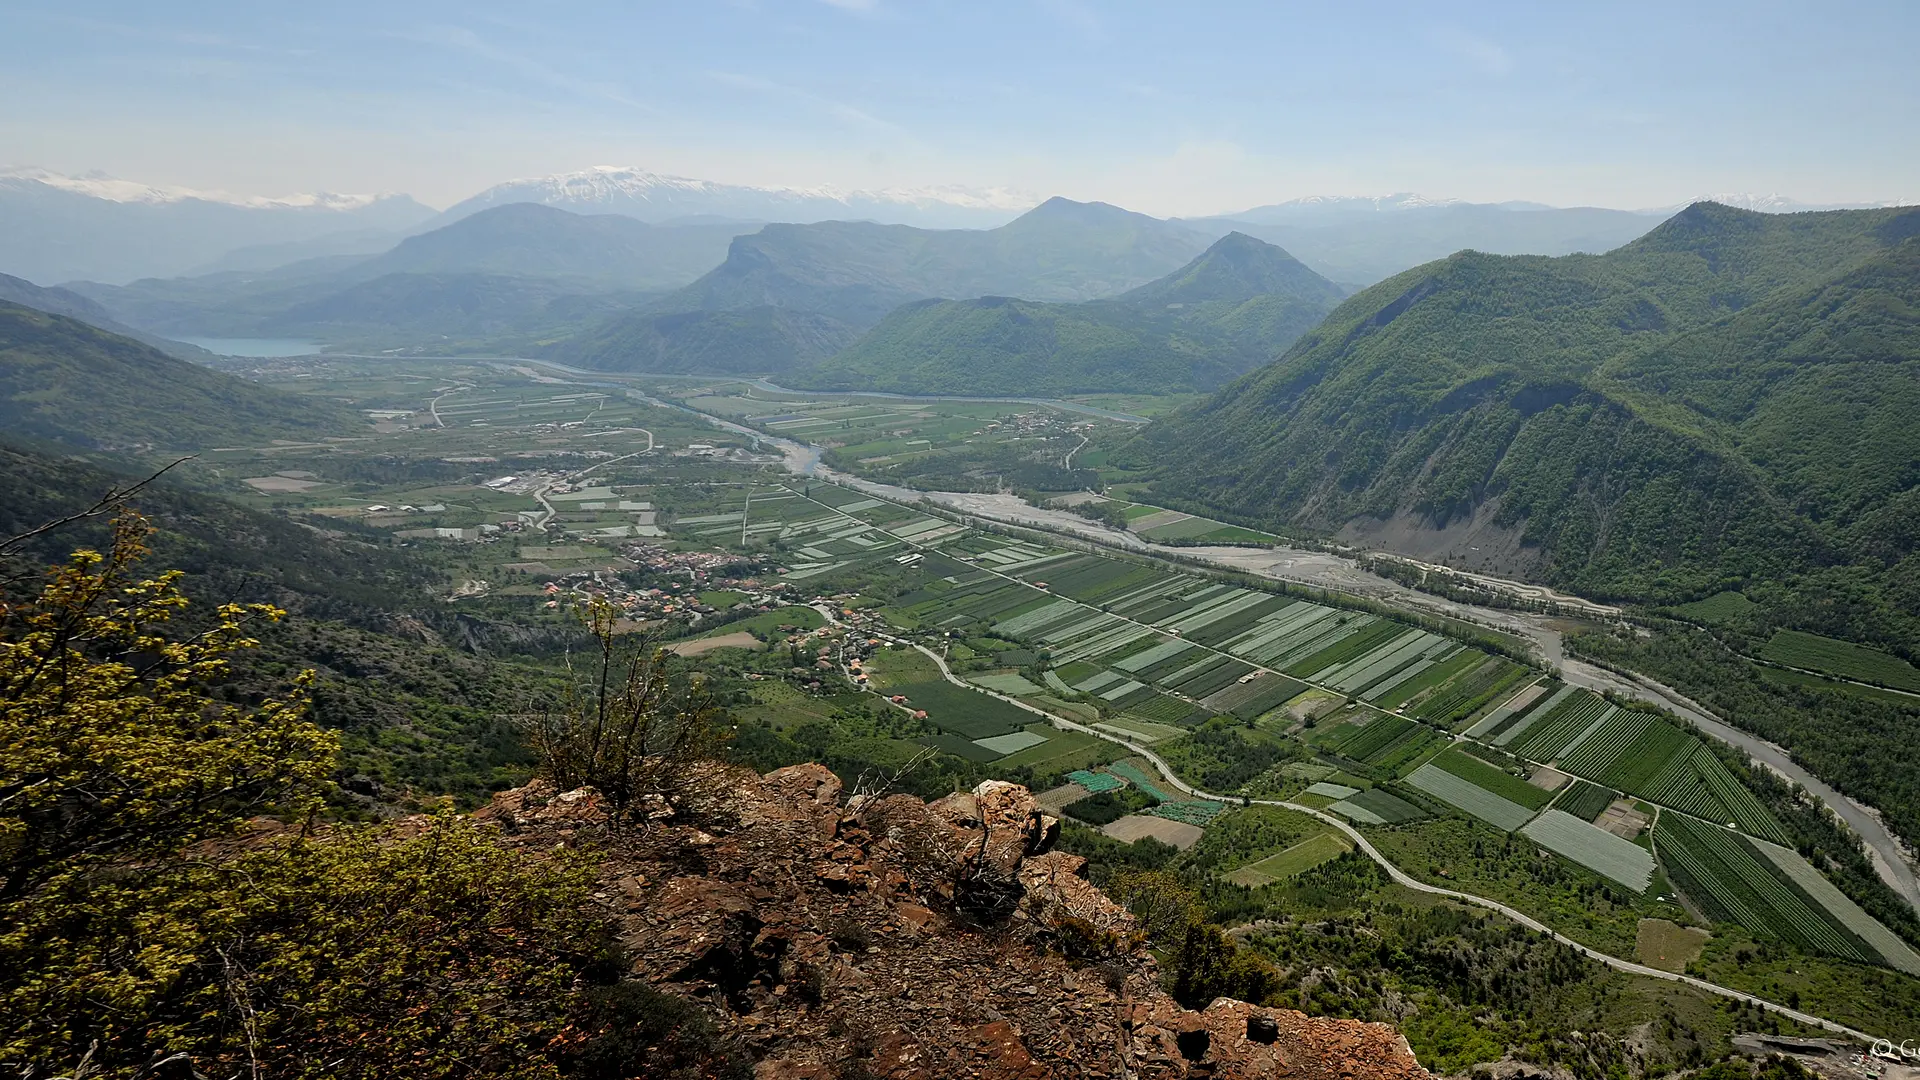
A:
{"x": 1399, "y": 876}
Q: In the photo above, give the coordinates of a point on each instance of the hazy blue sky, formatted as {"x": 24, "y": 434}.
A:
{"x": 1165, "y": 107}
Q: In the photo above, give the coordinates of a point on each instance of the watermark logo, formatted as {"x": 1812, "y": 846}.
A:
{"x": 1906, "y": 1051}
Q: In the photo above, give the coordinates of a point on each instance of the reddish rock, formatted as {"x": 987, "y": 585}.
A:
{"x": 821, "y": 937}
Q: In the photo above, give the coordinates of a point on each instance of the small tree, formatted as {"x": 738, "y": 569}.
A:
{"x": 629, "y": 726}
{"x": 110, "y": 746}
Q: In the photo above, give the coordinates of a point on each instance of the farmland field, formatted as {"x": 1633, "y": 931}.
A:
{"x": 1844, "y": 659}
{"x": 1376, "y": 806}
{"x": 1731, "y": 881}
{"x": 1720, "y": 607}
{"x": 1499, "y": 781}
{"x": 1503, "y": 814}
{"x": 963, "y": 712}
{"x": 1594, "y": 848}
{"x": 1299, "y": 858}
{"x": 1584, "y": 800}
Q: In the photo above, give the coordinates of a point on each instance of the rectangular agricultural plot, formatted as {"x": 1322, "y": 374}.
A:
{"x": 1301, "y": 857}
{"x": 1379, "y": 807}
{"x": 1332, "y": 791}
{"x": 1842, "y": 658}
{"x": 1500, "y": 813}
{"x": 1011, "y": 743}
{"x": 1499, "y": 781}
{"x": 967, "y": 713}
{"x": 1594, "y": 848}
{"x": 1014, "y": 684}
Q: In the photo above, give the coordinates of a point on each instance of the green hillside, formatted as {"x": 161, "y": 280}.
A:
{"x": 1719, "y": 401}
{"x": 1232, "y": 308}
{"x": 65, "y": 381}
{"x": 761, "y": 340}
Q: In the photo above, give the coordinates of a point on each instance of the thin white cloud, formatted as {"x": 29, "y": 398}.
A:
{"x": 1486, "y": 57}
{"x": 849, "y": 114}
{"x": 852, "y": 5}
{"x": 464, "y": 40}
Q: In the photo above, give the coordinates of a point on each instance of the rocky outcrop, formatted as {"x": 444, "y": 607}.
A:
{"x": 887, "y": 937}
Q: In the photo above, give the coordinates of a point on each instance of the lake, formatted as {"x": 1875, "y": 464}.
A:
{"x": 255, "y": 346}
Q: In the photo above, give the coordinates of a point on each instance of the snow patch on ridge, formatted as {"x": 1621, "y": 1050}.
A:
{"x": 99, "y": 185}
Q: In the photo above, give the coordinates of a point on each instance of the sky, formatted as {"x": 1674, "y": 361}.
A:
{"x": 1169, "y": 108}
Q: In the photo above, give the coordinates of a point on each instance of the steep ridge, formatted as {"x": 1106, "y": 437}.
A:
{"x": 66, "y": 381}
{"x": 1235, "y": 306}
{"x": 854, "y": 273}
{"x": 922, "y": 940}
{"x": 58, "y": 301}
{"x": 1617, "y": 424}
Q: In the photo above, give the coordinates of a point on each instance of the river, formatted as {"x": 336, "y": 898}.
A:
{"x": 1330, "y": 571}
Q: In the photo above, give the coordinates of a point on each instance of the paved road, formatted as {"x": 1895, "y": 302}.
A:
{"x": 1402, "y": 878}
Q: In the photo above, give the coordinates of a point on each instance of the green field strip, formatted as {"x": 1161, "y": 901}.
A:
{"x": 1592, "y": 847}
{"x": 1133, "y": 775}
{"x": 1843, "y": 659}
{"x": 1187, "y": 671}
{"x": 1605, "y": 740}
{"x": 1320, "y": 666}
{"x": 1499, "y": 781}
{"x": 1385, "y": 686}
{"x": 1213, "y": 679}
{"x": 1584, "y": 800}
{"x": 1225, "y": 610}
{"x": 1460, "y": 697}
{"x": 1462, "y": 795}
{"x": 1314, "y": 851}
{"x": 1727, "y": 876}
{"x": 1544, "y": 715}
{"x": 1403, "y": 644}
{"x": 1220, "y": 631}
{"x": 1437, "y": 675}
{"x": 1166, "y": 650}
{"x": 1384, "y": 804}
{"x": 1828, "y": 896}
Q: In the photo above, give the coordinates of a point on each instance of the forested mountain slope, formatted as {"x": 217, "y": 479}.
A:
{"x": 1719, "y": 401}
{"x": 66, "y": 381}
{"x": 1235, "y": 306}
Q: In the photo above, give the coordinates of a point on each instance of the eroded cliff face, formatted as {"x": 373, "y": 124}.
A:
{"x": 887, "y": 937}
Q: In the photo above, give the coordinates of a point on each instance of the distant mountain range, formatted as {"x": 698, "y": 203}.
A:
{"x": 848, "y": 276}
{"x": 655, "y": 197}
{"x": 56, "y": 228}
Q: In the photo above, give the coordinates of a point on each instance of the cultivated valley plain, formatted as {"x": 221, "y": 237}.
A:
{"x": 1247, "y": 732}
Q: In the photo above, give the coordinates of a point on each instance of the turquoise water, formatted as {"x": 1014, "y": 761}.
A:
{"x": 256, "y": 346}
